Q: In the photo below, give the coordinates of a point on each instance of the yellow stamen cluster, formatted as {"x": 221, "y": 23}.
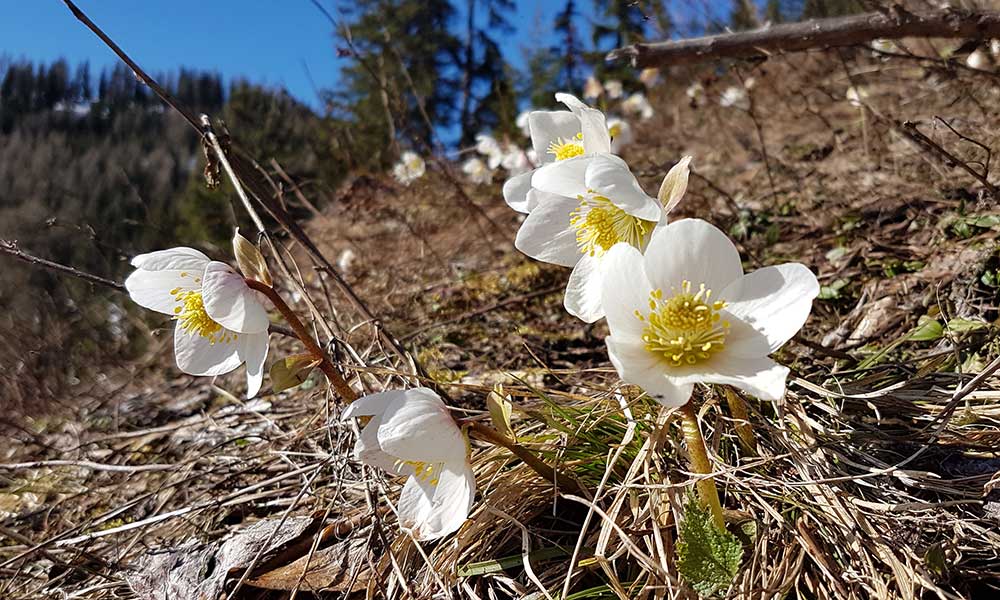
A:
{"x": 685, "y": 329}
{"x": 424, "y": 471}
{"x": 599, "y": 225}
{"x": 615, "y": 130}
{"x": 193, "y": 318}
{"x": 563, "y": 149}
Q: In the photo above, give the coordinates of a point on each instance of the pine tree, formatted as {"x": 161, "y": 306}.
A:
{"x": 484, "y": 70}
{"x": 396, "y": 42}
{"x": 569, "y": 50}
{"x": 621, "y": 22}
{"x": 744, "y": 15}
{"x": 773, "y": 13}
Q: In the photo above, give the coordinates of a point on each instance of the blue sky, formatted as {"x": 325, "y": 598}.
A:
{"x": 279, "y": 43}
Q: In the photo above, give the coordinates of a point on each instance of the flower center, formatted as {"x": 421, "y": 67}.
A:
{"x": 424, "y": 471}
{"x": 193, "y": 318}
{"x": 599, "y": 225}
{"x": 685, "y": 329}
{"x": 563, "y": 149}
{"x": 615, "y": 130}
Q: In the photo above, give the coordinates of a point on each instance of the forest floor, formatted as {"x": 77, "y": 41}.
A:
{"x": 866, "y": 481}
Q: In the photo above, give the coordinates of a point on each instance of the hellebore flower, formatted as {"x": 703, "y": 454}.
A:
{"x": 592, "y": 89}
{"x": 650, "y": 77}
{"x": 735, "y": 97}
{"x": 556, "y": 136}
{"x": 412, "y": 434}
{"x": 613, "y": 88}
{"x": 684, "y": 313}
{"x": 477, "y": 171}
{"x": 587, "y": 205}
{"x": 489, "y": 147}
{"x": 221, "y": 324}
{"x": 638, "y": 104}
{"x": 621, "y": 134}
{"x": 409, "y": 168}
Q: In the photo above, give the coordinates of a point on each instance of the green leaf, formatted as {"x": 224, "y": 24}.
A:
{"x": 965, "y": 325}
{"x": 927, "y": 330}
{"x": 291, "y": 371}
{"x": 707, "y": 557}
{"x": 832, "y": 291}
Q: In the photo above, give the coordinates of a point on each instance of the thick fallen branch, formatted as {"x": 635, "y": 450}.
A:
{"x": 851, "y": 30}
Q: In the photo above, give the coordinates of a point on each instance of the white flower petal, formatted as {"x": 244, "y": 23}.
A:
{"x": 230, "y": 302}
{"x": 624, "y": 290}
{"x": 551, "y": 126}
{"x": 691, "y": 250}
{"x": 594, "y": 126}
{"x": 252, "y": 349}
{"x": 373, "y": 404}
{"x": 743, "y": 340}
{"x": 638, "y": 366}
{"x": 421, "y": 429}
{"x": 151, "y": 289}
{"x": 415, "y": 505}
{"x": 583, "y": 291}
{"x": 368, "y": 451}
{"x": 609, "y": 176}
{"x": 564, "y": 178}
{"x": 774, "y": 300}
{"x": 197, "y": 355}
{"x": 759, "y": 376}
{"x": 546, "y": 234}
{"x": 174, "y": 259}
{"x": 515, "y": 191}
{"x": 675, "y": 184}
{"x": 450, "y": 502}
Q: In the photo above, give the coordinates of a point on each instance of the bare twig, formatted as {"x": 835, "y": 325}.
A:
{"x": 10, "y": 248}
{"x": 816, "y": 33}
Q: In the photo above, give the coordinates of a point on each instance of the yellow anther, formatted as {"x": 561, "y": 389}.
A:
{"x": 563, "y": 148}
{"x": 192, "y": 317}
{"x": 684, "y": 329}
{"x": 599, "y": 225}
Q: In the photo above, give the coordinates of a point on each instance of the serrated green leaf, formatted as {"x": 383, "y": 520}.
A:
{"x": 291, "y": 371}
{"x": 707, "y": 557}
{"x": 927, "y": 330}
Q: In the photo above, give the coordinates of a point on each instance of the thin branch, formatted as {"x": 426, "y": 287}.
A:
{"x": 10, "y": 247}
{"x": 851, "y": 30}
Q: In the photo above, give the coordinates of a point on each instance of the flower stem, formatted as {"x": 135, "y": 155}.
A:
{"x": 483, "y": 432}
{"x": 698, "y": 453}
{"x": 488, "y": 434}
{"x": 326, "y": 365}
{"x": 738, "y": 410}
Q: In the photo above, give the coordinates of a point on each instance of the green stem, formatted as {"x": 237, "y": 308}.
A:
{"x": 700, "y": 464}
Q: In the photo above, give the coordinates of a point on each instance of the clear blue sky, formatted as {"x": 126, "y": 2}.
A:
{"x": 274, "y": 42}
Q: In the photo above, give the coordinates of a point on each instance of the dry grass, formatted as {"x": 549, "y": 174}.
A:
{"x": 859, "y": 484}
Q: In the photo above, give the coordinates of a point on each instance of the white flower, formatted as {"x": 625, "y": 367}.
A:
{"x": 855, "y": 96}
{"x": 220, "y": 322}
{"x": 995, "y": 48}
{"x": 736, "y": 97}
{"x": 555, "y": 136}
{"x": 637, "y": 104}
{"x": 695, "y": 90}
{"x": 592, "y": 89}
{"x": 346, "y": 260}
{"x": 621, "y": 134}
{"x": 412, "y": 434}
{"x": 684, "y": 313}
{"x": 522, "y": 122}
{"x": 477, "y": 171}
{"x": 587, "y": 205}
{"x": 978, "y": 60}
{"x": 650, "y": 77}
{"x": 613, "y": 88}
{"x": 409, "y": 168}
{"x": 516, "y": 161}
{"x": 488, "y": 146}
